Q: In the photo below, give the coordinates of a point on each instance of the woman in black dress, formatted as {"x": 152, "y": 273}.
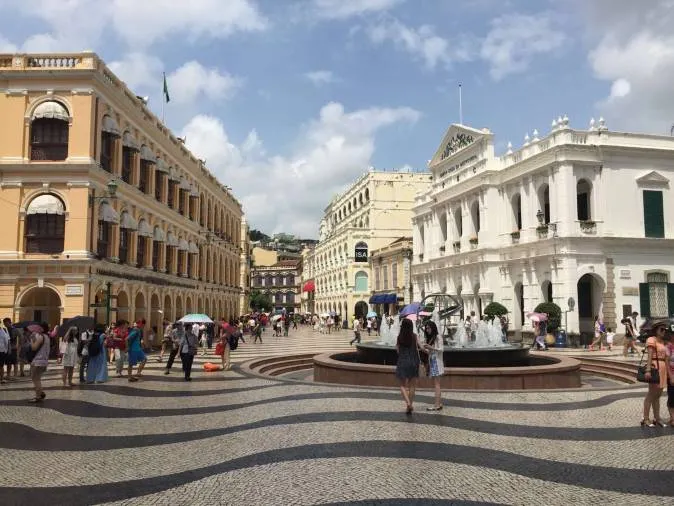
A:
{"x": 407, "y": 367}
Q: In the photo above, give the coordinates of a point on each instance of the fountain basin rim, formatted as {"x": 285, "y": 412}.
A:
{"x": 454, "y": 349}
{"x": 556, "y": 363}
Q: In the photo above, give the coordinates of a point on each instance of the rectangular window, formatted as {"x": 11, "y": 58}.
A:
{"x": 169, "y": 259}
{"x": 377, "y": 280}
{"x": 155, "y": 255}
{"x": 45, "y": 233}
{"x": 103, "y": 239}
{"x": 144, "y": 181}
{"x": 124, "y": 245}
{"x": 654, "y": 219}
{"x": 171, "y": 194}
{"x": 583, "y": 206}
{"x": 158, "y": 184}
{"x": 140, "y": 254}
{"x": 181, "y": 262}
{"x": 181, "y": 202}
{"x": 385, "y": 269}
{"x": 127, "y": 165}
{"x": 107, "y": 151}
{"x": 394, "y": 275}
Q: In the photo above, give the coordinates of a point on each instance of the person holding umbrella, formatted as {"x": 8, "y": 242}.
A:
{"x": 188, "y": 349}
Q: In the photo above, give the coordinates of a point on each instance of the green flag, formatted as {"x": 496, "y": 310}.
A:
{"x": 166, "y": 93}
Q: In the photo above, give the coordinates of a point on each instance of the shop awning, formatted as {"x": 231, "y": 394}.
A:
{"x": 309, "y": 286}
{"x": 127, "y": 221}
{"x": 46, "y": 204}
{"x": 162, "y": 166}
{"x": 110, "y": 125}
{"x": 147, "y": 154}
{"x": 107, "y": 213}
{"x": 194, "y": 249}
{"x": 144, "y": 229}
{"x": 159, "y": 235}
{"x": 129, "y": 142}
{"x": 183, "y": 245}
{"x": 384, "y": 298}
{"x": 51, "y": 110}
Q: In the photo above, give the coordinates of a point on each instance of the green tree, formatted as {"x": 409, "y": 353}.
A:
{"x": 495, "y": 310}
{"x": 554, "y": 313}
{"x": 259, "y": 301}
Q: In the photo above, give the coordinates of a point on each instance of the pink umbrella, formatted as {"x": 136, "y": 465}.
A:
{"x": 537, "y": 317}
{"x": 412, "y": 317}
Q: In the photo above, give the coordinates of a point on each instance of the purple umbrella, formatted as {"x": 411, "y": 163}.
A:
{"x": 410, "y": 309}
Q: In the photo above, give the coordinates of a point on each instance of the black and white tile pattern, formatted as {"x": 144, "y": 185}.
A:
{"x": 232, "y": 438}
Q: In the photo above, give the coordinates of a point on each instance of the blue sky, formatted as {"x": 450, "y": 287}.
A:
{"x": 289, "y": 101}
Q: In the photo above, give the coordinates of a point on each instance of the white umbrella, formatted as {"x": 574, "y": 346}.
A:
{"x": 195, "y": 318}
{"x": 276, "y": 317}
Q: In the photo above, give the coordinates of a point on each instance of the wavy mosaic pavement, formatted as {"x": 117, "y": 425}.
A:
{"x": 229, "y": 438}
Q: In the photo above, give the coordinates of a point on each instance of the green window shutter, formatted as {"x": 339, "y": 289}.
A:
{"x": 654, "y": 219}
{"x": 670, "y": 298}
{"x": 644, "y": 300}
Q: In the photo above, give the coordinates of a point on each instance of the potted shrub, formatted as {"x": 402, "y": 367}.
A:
{"x": 495, "y": 310}
{"x": 554, "y": 313}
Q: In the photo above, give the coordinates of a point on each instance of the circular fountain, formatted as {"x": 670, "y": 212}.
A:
{"x": 482, "y": 361}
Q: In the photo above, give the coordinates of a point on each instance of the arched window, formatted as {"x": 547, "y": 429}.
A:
{"x": 49, "y": 132}
{"x": 279, "y": 280}
{"x": 278, "y": 298}
{"x": 475, "y": 216}
{"x": 544, "y": 202}
{"x": 583, "y": 200}
{"x": 367, "y": 194}
{"x": 290, "y": 298}
{"x": 361, "y": 282}
{"x": 517, "y": 211}
{"x": 443, "y": 226}
{"x": 45, "y": 225}
{"x": 290, "y": 280}
{"x": 458, "y": 222}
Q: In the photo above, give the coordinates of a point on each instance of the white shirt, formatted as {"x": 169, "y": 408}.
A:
{"x": 195, "y": 329}
{"x": 4, "y": 340}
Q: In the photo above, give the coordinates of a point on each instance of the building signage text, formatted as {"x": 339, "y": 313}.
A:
{"x": 74, "y": 290}
{"x": 451, "y": 169}
{"x": 360, "y": 254}
{"x": 459, "y": 141}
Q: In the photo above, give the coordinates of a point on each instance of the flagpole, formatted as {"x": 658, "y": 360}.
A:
{"x": 460, "y": 106}
{"x": 163, "y": 99}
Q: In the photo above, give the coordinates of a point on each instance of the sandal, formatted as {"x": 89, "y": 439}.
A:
{"x": 434, "y": 408}
{"x": 647, "y": 423}
{"x": 659, "y": 423}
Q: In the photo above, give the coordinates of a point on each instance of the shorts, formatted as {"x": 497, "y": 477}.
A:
{"x": 10, "y": 359}
{"x": 36, "y": 371}
{"x": 670, "y": 395}
{"x": 3, "y": 358}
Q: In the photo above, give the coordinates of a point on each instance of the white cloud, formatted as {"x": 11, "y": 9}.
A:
{"x": 320, "y": 77}
{"x": 139, "y": 71}
{"x": 288, "y": 193}
{"x": 343, "y": 9}
{"x": 633, "y": 51}
{"x": 193, "y": 80}
{"x": 422, "y": 43}
{"x": 516, "y": 39}
{"x": 6, "y": 46}
{"x": 76, "y": 25}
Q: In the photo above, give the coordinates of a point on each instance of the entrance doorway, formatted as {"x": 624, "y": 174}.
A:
{"x": 590, "y": 288}
{"x": 361, "y": 309}
{"x": 40, "y": 305}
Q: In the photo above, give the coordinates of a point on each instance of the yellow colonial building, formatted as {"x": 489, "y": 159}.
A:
{"x": 105, "y": 211}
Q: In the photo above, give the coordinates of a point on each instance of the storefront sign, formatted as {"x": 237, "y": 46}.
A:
{"x": 74, "y": 290}
{"x": 360, "y": 254}
{"x": 631, "y": 291}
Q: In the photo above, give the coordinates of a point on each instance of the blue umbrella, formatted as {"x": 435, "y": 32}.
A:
{"x": 371, "y": 314}
{"x": 412, "y": 308}
{"x": 195, "y": 318}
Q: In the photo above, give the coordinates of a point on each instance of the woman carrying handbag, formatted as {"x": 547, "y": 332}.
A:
{"x": 655, "y": 374}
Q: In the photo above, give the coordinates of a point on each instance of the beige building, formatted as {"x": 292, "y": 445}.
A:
{"x": 106, "y": 212}
{"x": 264, "y": 257}
{"x": 391, "y": 268}
{"x": 374, "y": 212}
{"x": 281, "y": 282}
{"x": 245, "y": 263}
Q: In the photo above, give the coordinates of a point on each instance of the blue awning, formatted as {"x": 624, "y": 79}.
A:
{"x": 384, "y": 298}
{"x": 389, "y": 298}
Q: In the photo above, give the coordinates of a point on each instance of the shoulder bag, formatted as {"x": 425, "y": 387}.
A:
{"x": 642, "y": 369}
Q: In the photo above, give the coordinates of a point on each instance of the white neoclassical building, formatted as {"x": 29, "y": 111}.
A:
{"x": 583, "y": 218}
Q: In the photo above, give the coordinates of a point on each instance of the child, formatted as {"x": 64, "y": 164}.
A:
{"x": 69, "y": 358}
{"x": 203, "y": 342}
{"x": 609, "y": 338}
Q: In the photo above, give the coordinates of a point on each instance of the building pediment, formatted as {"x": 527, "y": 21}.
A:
{"x": 653, "y": 178}
{"x": 457, "y": 138}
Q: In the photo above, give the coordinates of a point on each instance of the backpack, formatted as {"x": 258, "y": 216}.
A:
{"x": 94, "y": 347}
